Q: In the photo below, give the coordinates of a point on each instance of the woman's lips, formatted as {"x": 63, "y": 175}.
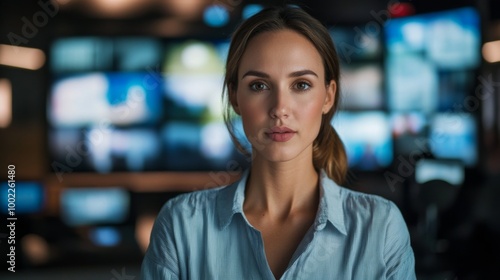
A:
{"x": 280, "y": 134}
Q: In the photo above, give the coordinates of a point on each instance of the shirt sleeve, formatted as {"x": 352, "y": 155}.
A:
{"x": 151, "y": 270}
{"x": 398, "y": 254}
{"x": 160, "y": 261}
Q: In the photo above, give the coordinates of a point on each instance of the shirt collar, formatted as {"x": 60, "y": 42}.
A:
{"x": 230, "y": 200}
{"x": 331, "y": 209}
{"x": 331, "y": 205}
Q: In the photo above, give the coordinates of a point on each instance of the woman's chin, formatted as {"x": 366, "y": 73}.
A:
{"x": 280, "y": 155}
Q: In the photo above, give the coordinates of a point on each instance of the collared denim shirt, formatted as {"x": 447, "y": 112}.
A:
{"x": 205, "y": 235}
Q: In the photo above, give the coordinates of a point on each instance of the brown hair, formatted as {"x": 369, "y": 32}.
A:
{"x": 328, "y": 149}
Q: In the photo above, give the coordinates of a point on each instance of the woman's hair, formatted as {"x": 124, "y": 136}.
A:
{"x": 328, "y": 150}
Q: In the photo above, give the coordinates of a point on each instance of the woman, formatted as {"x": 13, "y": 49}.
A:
{"x": 287, "y": 217}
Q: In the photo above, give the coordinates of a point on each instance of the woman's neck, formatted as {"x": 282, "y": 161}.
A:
{"x": 281, "y": 189}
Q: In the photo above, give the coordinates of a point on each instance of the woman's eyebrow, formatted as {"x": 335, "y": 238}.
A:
{"x": 302, "y": 73}
{"x": 293, "y": 74}
{"x": 255, "y": 73}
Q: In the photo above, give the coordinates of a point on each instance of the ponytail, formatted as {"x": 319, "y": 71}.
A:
{"x": 329, "y": 153}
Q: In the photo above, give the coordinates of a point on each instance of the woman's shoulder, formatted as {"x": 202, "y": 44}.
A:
{"x": 363, "y": 210}
{"x": 368, "y": 205}
{"x": 194, "y": 200}
{"x": 365, "y": 199}
{"x": 192, "y": 203}
{"x": 352, "y": 200}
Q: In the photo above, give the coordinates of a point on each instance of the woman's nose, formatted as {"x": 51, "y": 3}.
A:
{"x": 280, "y": 104}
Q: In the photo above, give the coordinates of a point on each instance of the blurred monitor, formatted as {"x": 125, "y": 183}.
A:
{"x": 198, "y": 146}
{"x": 454, "y": 86}
{"x": 449, "y": 171}
{"x": 27, "y": 197}
{"x": 119, "y": 99}
{"x": 353, "y": 43}
{"x": 412, "y": 83}
{"x": 431, "y": 59}
{"x": 94, "y": 206}
{"x": 409, "y": 133}
{"x": 106, "y": 150}
{"x": 361, "y": 86}
{"x": 449, "y": 39}
{"x": 97, "y": 54}
{"x": 84, "y": 54}
{"x": 194, "y": 72}
{"x": 105, "y": 236}
{"x": 361, "y": 71}
{"x": 367, "y": 138}
{"x": 454, "y": 136}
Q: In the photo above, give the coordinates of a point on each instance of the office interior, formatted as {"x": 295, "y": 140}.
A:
{"x": 108, "y": 109}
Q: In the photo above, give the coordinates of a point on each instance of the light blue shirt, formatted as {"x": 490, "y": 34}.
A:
{"x": 205, "y": 235}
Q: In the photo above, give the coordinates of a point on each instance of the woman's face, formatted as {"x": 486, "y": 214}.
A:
{"x": 281, "y": 95}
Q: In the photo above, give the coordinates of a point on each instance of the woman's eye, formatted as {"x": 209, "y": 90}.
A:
{"x": 302, "y": 86}
{"x": 258, "y": 87}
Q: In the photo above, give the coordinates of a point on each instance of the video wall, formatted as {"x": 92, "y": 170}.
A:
{"x": 154, "y": 104}
{"x": 405, "y": 89}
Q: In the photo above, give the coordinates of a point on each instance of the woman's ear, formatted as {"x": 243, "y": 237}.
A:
{"x": 233, "y": 99}
{"x": 331, "y": 90}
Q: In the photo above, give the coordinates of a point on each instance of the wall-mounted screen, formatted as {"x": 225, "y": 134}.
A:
{"x": 27, "y": 197}
{"x": 431, "y": 59}
{"x": 94, "y": 206}
{"x": 367, "y": 139}
{"x": 453, "y": 136}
